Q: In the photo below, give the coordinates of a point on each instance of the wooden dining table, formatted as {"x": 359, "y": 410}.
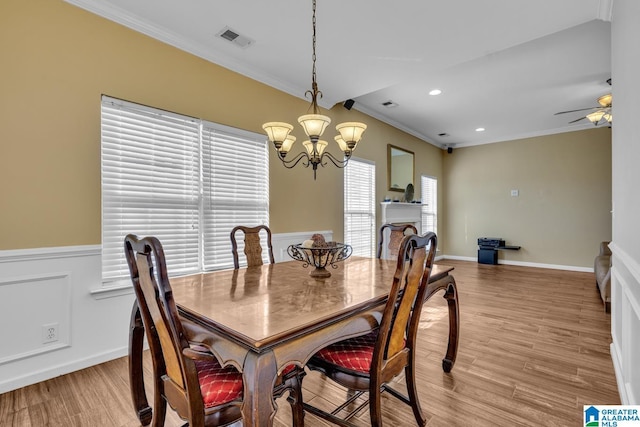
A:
{"x": 264, "y": 318}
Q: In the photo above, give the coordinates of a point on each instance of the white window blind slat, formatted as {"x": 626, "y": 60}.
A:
{"x": 359, "y": 206}
{"x": 235, "y": 190}
{"x": 429, "y": 186}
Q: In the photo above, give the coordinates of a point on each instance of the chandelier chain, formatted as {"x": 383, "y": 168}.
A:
{"x": 313, "y": 55}
{"x": 314, "y": 92}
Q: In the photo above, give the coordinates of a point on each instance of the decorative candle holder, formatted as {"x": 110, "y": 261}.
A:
{"x": 320, "y": 257}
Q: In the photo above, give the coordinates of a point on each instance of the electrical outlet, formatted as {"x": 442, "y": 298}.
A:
{"x": 49, "y": 333}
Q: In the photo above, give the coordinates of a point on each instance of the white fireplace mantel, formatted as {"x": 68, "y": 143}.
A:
{"x": 396, "y": 212}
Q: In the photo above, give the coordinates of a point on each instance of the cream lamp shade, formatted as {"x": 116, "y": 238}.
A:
{"x": 314, "y": 124}
{"x": 320, "y": 146}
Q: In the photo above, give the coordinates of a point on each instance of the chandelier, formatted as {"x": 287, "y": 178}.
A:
{"x": 314, "y": 124}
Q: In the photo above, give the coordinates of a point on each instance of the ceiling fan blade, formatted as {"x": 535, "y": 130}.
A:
{"x": 577, "y": 120}
{"x": 581, "y": 109}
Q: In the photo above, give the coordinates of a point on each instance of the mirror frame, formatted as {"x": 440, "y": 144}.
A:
{"x": 390, "y": 167}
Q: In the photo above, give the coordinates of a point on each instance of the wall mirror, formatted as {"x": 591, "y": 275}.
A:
{"x": 400, "y": 166}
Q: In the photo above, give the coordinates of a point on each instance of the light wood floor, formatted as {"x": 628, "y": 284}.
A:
{"x": 534, "y": 348}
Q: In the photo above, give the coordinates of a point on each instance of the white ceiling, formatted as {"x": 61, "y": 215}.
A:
{"x": 505, "y": 65}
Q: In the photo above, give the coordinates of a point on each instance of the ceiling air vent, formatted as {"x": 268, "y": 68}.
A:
{"x": 234, "y": 37}
{"x": 389, "y": 104}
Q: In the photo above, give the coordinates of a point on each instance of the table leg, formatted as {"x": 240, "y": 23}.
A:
{"x": 136, "y": 378}
{"x": 448, "y": 284}
{"x": 258, "y": 407}
{"x": 451, "y": 295}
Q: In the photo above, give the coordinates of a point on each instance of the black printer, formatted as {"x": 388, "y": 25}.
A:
{"x": 488, "y": 248}
{"x": 490, "y": 242}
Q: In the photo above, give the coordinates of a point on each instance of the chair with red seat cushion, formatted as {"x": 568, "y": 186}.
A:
{"x": 368, "y": 363}
{"x": 186, "y": 374}
{"x": 218, "y": 385}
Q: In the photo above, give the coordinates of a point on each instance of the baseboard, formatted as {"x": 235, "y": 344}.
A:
{"x": 459, "y": 258}
{"x": 56, "y": 371}
{"x": 524, "y": 264}
{"x": 617, "y": 368}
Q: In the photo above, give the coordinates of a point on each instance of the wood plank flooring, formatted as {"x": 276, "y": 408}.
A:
{"x": 534, "y": 348}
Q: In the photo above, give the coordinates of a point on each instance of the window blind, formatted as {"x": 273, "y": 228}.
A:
{"x": 181, "y": 179}
{"x": 359, "y": 206}
{"x": 429, "y": 196}
{"x": 236, "y": 190}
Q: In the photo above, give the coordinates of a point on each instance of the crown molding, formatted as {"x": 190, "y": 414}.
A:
{"x": 120, "y": 16}
{"x": 394, "y": 123}
{"x": 605, "y": 10}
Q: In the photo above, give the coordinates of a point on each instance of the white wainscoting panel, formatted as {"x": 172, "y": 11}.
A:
{"x": 625, "y": 324}
{"x": 281, "y": 242}
{"x": 53, "y": 285}
{"x": 23, "y": 337}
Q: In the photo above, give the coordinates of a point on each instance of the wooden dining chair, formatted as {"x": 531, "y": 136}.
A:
{"x": 396, "y": 234}
{"x": 187, "y": 375}
{"x": 252, "y": 246}
{"x": 368, "y": 363}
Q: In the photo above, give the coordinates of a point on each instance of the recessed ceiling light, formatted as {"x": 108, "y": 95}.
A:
{"x": 480, "y": 129}
{"x": 435, "y": 92}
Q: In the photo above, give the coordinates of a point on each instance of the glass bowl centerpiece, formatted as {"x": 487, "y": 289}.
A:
{"x": 320, "y": 254}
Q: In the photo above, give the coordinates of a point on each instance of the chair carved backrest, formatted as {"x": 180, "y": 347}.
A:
{"x": 252, "y": 246}
{"x": 396, "y": 234}
{"x": 401, "y": 316}
{"x": 162, "y": 325}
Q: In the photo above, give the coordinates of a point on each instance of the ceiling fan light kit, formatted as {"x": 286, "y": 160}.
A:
{"x": 604, "y": 115}
{"x": 600, "y": 115}
{"x": 605, "y": 100}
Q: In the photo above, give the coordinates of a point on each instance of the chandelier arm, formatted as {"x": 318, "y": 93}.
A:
{"x": 290, "y": 164}
{"x": 334, "y": 160}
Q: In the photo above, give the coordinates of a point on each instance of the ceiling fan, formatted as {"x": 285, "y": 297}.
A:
{"x": 598, "y": 115}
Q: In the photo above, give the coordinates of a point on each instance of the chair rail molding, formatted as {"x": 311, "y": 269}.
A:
{"x": 36, "y": 254}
